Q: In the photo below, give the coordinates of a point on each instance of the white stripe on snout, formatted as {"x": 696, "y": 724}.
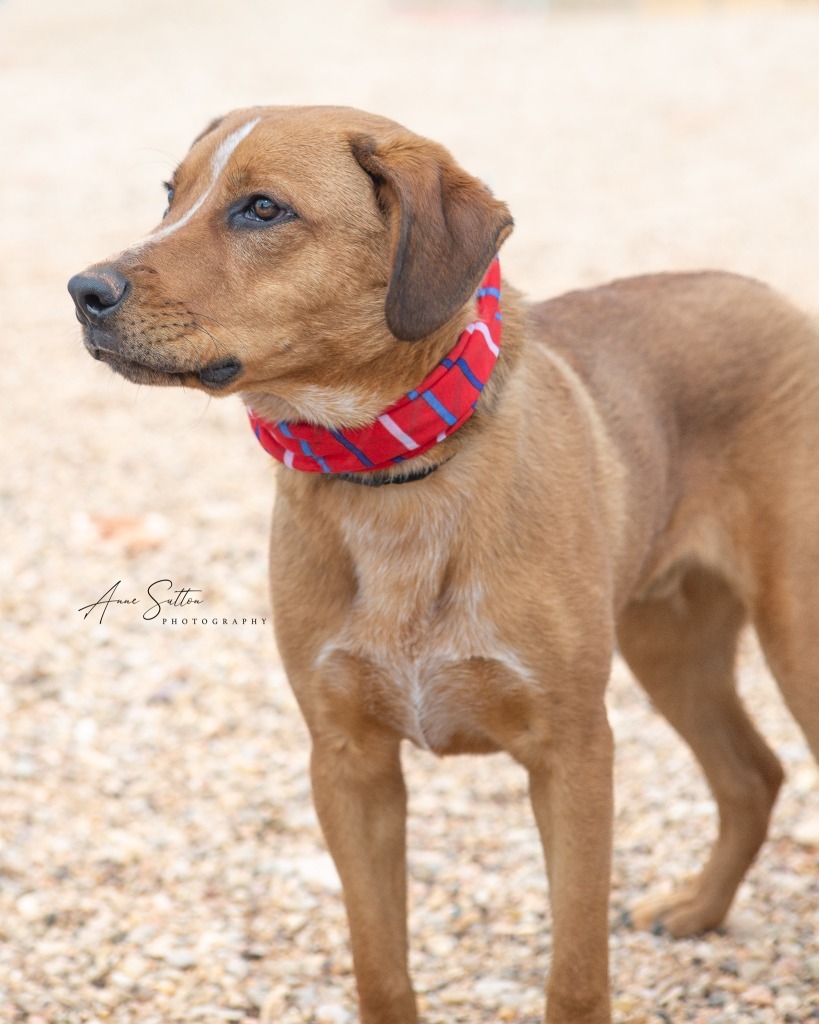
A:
{"x": 218, "y": 164}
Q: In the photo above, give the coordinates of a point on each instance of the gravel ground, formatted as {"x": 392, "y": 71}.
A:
{"x": 161, "y": 861}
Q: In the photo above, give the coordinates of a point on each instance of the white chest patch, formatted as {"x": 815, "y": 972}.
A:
{"x": 420, "y": 617}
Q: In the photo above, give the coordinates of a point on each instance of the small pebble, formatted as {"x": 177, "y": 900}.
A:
{"x": 331, "y": 1013}
{"x": 182, "y": 959}
{"x": 806, "y": 832}
{"x": 758, "y": 995}
{"x": 754, "y": 970}
{"x": 810, "y": 968}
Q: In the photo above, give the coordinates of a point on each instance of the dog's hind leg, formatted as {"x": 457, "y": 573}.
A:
{"x": 682, "y": 649}
{"x": 787, "y": 620}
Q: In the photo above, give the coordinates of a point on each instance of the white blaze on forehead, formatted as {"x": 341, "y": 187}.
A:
{"x": 220, "y": 158}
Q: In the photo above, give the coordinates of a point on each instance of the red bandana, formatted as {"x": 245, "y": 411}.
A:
{"x": 424, "y": 416}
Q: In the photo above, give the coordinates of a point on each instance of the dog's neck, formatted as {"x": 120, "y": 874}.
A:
{"x": 418, "y": 421}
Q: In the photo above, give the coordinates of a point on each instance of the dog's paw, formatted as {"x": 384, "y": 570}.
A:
{"x": 681, "y": 913}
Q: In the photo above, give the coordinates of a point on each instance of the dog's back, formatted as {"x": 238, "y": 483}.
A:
{"x": 710, "y": 382}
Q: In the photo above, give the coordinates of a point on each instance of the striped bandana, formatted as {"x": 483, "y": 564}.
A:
{"x": 422, "y": 418}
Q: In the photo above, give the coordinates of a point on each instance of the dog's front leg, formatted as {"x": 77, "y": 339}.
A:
{"x": 360, "y": 799}
{"x": 571, "y": 793}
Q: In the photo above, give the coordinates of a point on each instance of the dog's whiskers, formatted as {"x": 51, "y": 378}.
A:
{"x": 221, "y": 349}
{"x": 206, "y": 316}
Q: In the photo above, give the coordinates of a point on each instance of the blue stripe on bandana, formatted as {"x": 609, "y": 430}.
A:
{"x": 470, "y": 376}
{"x": 308, "y": 451}
{"x": 442, "y": 410}
{"x": 362, "y": 458}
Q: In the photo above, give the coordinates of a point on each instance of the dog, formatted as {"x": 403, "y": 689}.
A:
{"x": 481, "y": 500}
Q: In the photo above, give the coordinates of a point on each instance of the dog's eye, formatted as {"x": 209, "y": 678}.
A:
{"x": 258, "y": 211}
{"x": 169, "y": 190}
{"x": 260, "y": 208}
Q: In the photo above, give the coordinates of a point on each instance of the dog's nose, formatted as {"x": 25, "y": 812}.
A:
{"x": 97, "y": 294}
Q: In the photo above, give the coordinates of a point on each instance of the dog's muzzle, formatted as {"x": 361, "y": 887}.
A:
{"x": 101, "y": 293}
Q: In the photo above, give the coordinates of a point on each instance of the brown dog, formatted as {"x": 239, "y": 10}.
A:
{"x": 640, "y": 468}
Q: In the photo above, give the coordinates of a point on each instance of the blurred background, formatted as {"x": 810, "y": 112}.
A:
{"x": 160, "y": 860}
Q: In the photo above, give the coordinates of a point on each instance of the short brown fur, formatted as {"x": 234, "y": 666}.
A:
{"x": 641, "y": 470}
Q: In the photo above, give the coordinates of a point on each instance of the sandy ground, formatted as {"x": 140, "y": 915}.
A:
{"x": 160, "y": 859}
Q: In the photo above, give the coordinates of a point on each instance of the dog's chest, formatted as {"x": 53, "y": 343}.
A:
{"x": 422, "y": 623}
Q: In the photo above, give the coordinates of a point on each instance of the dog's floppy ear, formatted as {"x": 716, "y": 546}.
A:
{"x": 446, "y": 229}
{"x": 214, "y": 124}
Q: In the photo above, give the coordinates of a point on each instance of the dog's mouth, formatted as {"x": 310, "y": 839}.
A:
{"x": 214, "y": 376}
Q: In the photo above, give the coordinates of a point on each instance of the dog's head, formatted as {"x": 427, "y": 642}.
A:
{"x": 298, "y": 244}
